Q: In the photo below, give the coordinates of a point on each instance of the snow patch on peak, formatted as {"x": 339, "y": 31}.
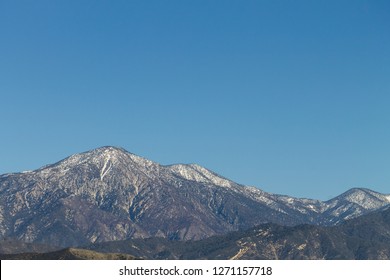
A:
{"x": 141, "y": 161}
{"x": 107, "y": 152}
{"x": 109, "y": 149}
{"x": 194, "y": 172}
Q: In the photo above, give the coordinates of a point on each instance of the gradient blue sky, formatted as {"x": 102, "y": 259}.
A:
{"x": 289, "y": 96}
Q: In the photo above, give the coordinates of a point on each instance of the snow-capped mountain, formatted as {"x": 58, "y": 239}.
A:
{"x": 110, "y": 194}
{"x": 353, "y": 203}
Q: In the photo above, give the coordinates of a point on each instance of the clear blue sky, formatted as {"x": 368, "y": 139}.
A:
{"x": 289, "y": 96}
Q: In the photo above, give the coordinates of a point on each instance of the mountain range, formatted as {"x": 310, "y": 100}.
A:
{"x": 109, "y": 194}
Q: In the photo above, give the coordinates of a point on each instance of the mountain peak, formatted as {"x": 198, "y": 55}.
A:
{"x": 108, "y": 149}
{"x": 101, "y": 162}
{"x": 359, "y": 194}
{"x": 356, "y": 201}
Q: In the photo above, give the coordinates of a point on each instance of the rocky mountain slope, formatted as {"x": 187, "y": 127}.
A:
{"x": 110, "y": 194}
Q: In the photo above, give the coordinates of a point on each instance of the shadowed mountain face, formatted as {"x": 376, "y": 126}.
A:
{"x": 110, "y": 194}
{"x": 365, "y": 237}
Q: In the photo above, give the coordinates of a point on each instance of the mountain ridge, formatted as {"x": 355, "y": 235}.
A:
{"x": 110, "y": 194}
